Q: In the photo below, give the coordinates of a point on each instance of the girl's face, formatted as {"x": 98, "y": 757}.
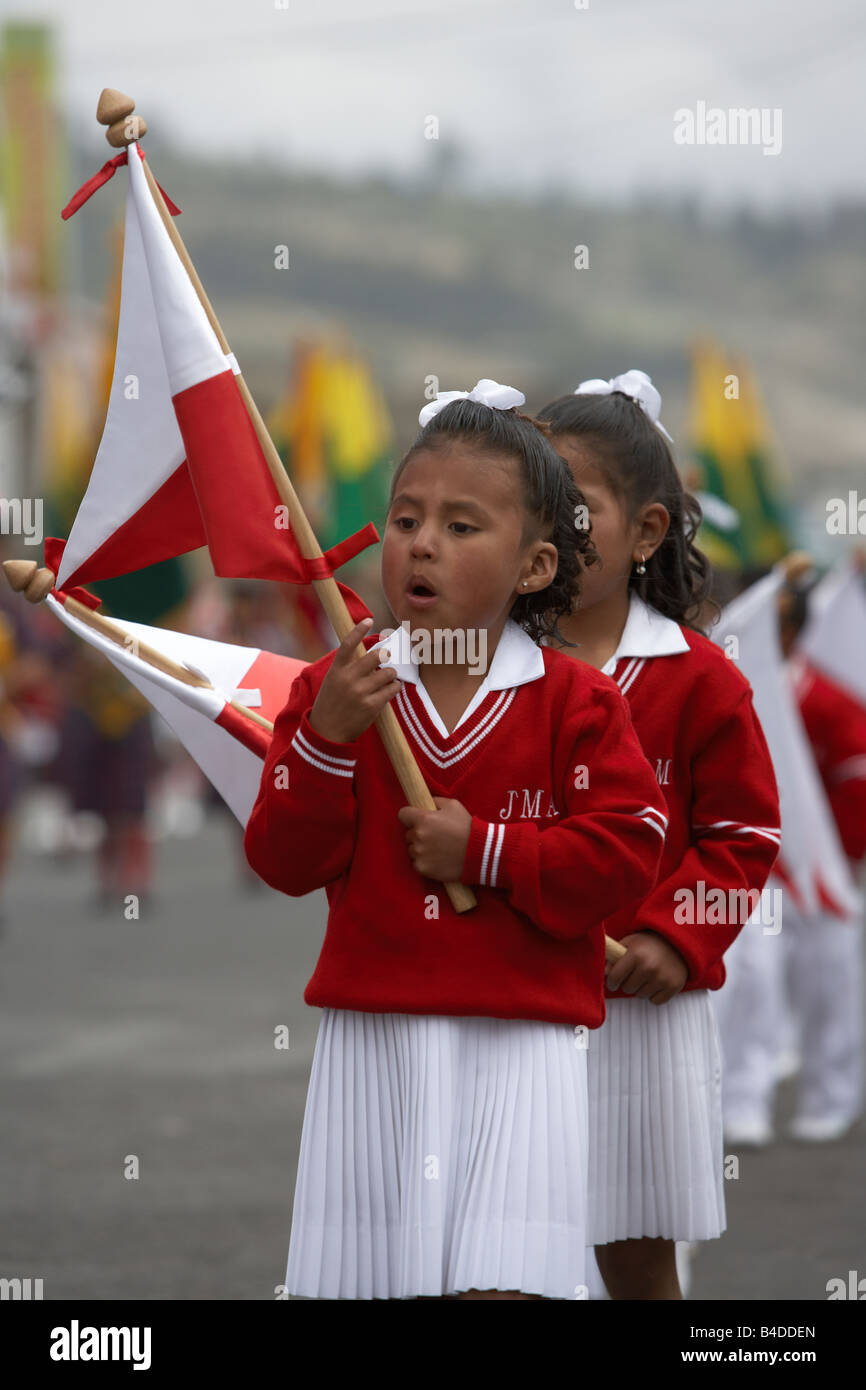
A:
{"x": 618, "y": 542}
{"x": 452, "y": 554}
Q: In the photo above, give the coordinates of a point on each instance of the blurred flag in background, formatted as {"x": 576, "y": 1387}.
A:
{"x": 734, "y": 466}
{"x": 32, "y": 159}
{"x": 334, "y": 434}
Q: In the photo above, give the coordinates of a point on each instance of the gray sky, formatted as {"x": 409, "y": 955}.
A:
{"x": 537, "y": 92}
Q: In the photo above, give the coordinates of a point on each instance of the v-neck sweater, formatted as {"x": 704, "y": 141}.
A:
{"x": 693, "y": 712}
{"x": 568, "y": 827}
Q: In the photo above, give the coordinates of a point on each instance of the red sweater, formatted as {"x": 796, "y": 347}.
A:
{"x": 549, "y": 860}
{"x": 836, "y": 728}
{"x": 692, "y": 711}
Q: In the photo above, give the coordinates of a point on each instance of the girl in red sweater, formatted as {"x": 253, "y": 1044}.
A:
{"x": 444, "y": 1145}
{"x": 656, "y": 1154}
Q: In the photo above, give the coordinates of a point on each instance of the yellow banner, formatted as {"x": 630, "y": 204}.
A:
{"x": 30, "y": 159}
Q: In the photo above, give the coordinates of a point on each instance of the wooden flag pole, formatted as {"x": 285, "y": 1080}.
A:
{"x": 116, "y": 111}
{"x": 20, "y": 574}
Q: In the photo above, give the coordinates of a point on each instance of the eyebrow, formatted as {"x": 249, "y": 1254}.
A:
{"x": 457, "y": 504}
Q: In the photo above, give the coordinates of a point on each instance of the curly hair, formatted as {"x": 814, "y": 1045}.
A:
{"x": 638, "y": 465}
{"x": 550, "y": 499}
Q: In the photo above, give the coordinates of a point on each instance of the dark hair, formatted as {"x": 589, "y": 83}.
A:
{"x": 550, "y": 498}
{"x": 639, "y": 467}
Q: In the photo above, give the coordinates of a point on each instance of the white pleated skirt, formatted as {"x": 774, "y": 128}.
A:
{"x": 656, "y": 1153}
{"x": 441, "y": 1154}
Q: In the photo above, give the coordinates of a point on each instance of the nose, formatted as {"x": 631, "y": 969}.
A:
{"x": 423, "y": 540}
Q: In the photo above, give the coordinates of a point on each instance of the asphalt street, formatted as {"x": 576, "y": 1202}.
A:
{"x": 148, "y": 1046}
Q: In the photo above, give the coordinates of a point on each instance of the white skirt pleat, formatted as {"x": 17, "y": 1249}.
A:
{"x": 440, "y": 1154}
{"x": 656, "y": 1152}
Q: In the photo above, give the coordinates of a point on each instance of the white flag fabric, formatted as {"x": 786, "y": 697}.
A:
{"x": 812, "y": 861}
{"x": 179, "y": 465}
{"x": 834, "y": 635}
{"x": 142, "y": 447}
{"x": 229, "y": 748}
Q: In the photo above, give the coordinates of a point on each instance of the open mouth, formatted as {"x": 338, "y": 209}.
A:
{"x": 421, "y": 591}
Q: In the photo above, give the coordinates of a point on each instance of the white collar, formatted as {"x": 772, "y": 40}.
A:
{"x": 647, "y": 632}
{"x": 516, "y": 661}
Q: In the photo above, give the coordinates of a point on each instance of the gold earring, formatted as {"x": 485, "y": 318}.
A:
{"x": 641, "y": 568}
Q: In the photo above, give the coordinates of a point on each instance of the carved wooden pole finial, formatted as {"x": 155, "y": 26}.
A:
{"x": 114, "y": 110}
{"x": 26, "y": 578}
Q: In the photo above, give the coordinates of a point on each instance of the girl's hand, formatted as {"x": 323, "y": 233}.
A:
{"x": 651, "y": 968}
{"x": 354, "y": 691}
{"x": 437, "y": 839}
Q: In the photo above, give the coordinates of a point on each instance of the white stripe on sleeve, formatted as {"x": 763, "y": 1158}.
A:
{"x": 500, "y": 836}
{"x": 768, "y": 832}
{"x": 326, "y": 762}
{"x": 852, "y": 769}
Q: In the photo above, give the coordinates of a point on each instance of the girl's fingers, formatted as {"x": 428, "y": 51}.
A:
{"x": 346, "y": 650}
{"x": 648, "y": 988}
{"x": 637, "y": 983}
{"x": 379, "y": 676}
{"x": 380, "y": 695}
{"x": 616, "y": 981}
{"x": 370, "y": 661}
{"x": 619, "y": 972}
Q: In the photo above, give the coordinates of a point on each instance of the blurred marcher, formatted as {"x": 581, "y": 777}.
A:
{"x": 824, "y": 954}
{"x": 30, "y": 709}
{"x": 281, "y": 618}
{"x": 107, "y": 764}
{"x": 10, "y": 765}
{"x": 795, "y": 1001}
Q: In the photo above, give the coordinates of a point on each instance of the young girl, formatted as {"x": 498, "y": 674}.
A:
{"x": 444, "y": 1144}
{"x": 654, "y": 1074}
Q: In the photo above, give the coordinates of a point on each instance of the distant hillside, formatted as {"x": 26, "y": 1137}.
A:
{"x": 431, "y": 282}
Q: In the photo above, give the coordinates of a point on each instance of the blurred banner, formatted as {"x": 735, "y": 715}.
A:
{"x": 76, "y": 406}
{"x": 733, "y": 464}
{"x": 31, "y": 159}
{"x": 335, "y": 436}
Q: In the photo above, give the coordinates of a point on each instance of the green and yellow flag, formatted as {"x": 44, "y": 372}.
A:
{"x": 734, "y": 464}
{"x": 334, "y": 434}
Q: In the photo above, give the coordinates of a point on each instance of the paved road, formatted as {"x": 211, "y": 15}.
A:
{"x": 155, "y": 1039}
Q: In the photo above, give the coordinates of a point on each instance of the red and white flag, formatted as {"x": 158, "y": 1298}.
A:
{"x": 179, "y": 465}
{"x": 834, "y": 635}
{"x": 812, "y": 864}
{"x": 229, "y": 748}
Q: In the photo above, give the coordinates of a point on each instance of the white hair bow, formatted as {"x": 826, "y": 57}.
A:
{"x": 633, "y": 383}
{"x": 485, "y": 392}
